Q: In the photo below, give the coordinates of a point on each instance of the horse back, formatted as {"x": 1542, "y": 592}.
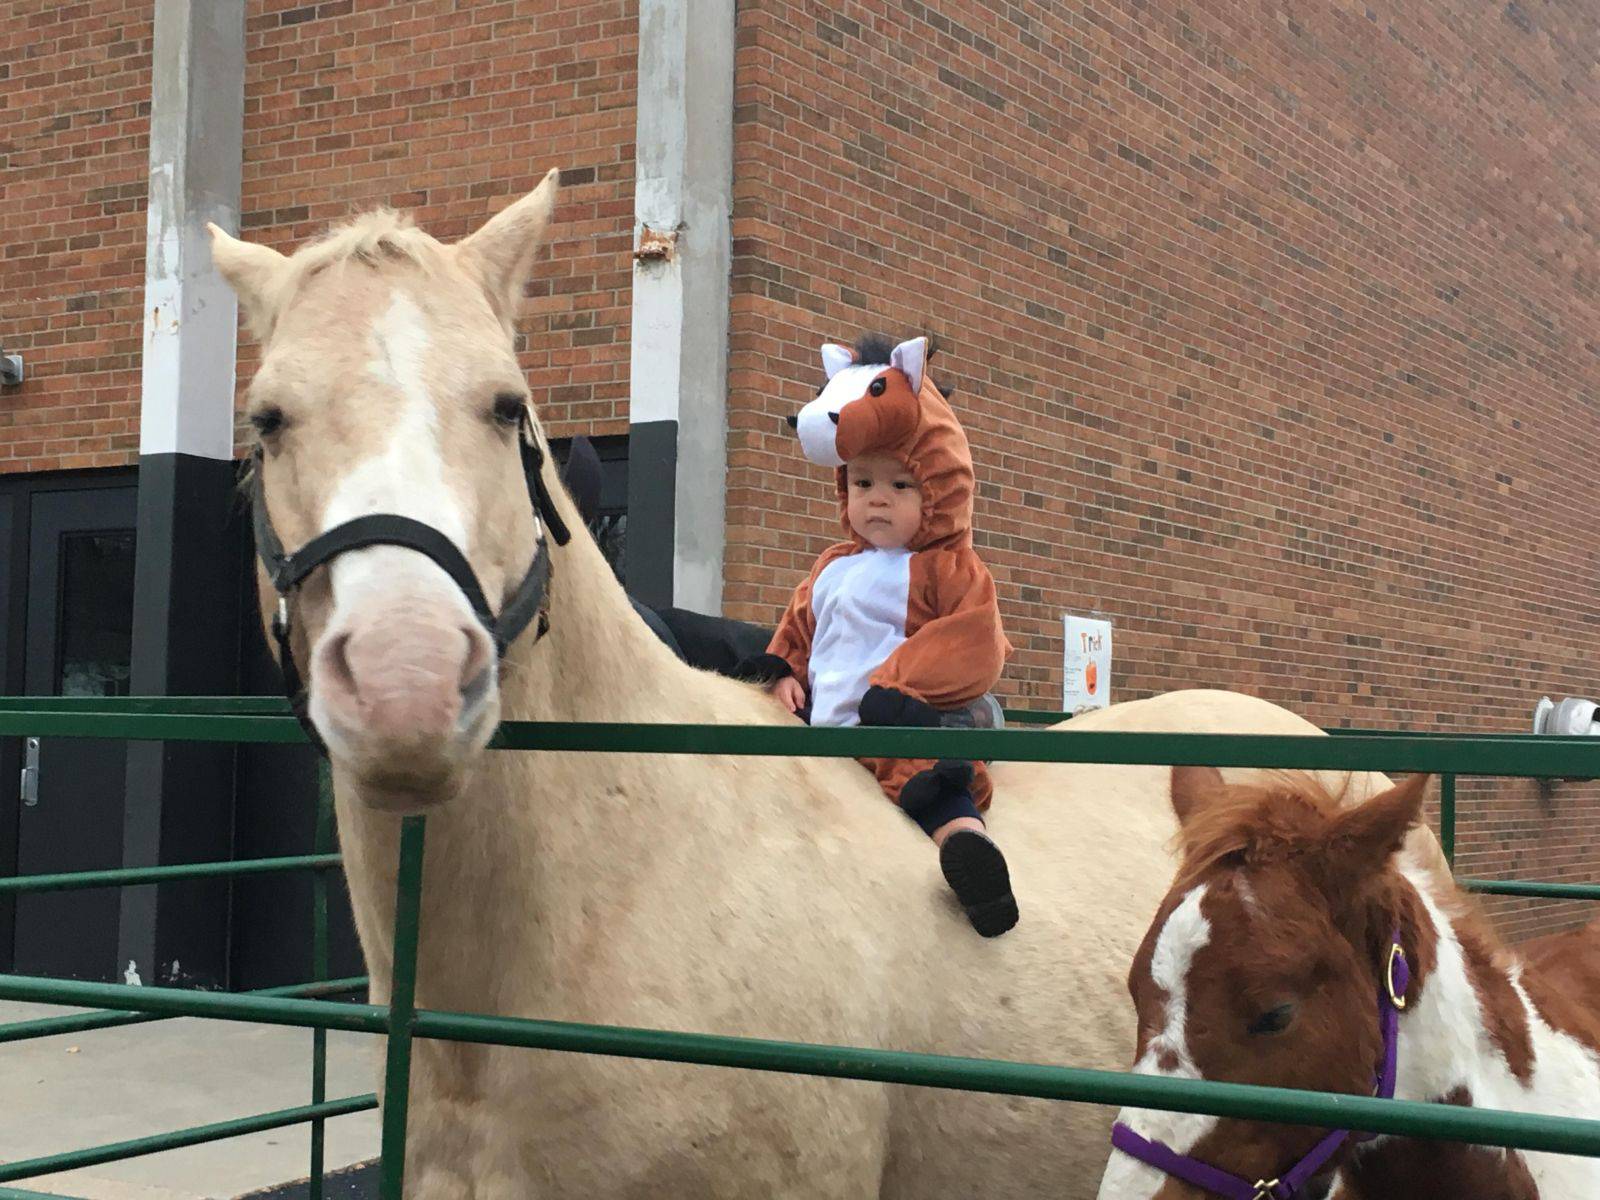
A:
{"x": 1568, "y": 965}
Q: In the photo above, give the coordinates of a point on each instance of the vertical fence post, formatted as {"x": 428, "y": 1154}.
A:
{"x": 402, "y": 1008}
{"x": 1447, "y": 818}
{"x": 321, "y": 843}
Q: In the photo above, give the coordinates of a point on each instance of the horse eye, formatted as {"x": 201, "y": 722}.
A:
{"x": 267, "y": 421}
{"x": 508, "y": 408}
{"x": 1274, "y": 1020}
{"x": 877, "y": 386}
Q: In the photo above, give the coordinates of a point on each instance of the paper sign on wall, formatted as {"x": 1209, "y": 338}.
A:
{"x": 1086, "y": 671}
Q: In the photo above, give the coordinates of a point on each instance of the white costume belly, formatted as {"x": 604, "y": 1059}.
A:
{"x": 859, "y": 602}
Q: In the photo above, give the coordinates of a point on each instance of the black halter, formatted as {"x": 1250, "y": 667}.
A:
{"x": 289, "y": 571}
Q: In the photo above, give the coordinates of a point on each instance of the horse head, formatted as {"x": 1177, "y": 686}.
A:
{"x": 397, "y": 482}
{"x": 1266, "y": 964}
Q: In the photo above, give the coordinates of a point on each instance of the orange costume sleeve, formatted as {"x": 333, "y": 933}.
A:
{"x": 954, "y": 648}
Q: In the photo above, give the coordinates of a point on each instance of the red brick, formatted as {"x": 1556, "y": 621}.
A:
{"x": 1273, "y": 339}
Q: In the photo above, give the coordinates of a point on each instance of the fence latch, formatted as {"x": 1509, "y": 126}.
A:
{"x": 30, "y": 773}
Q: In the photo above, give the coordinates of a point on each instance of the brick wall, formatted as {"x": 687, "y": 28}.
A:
{"x": 1273, "y": 335}
{"x": 74, "y": 168}
{"x": 1272, "y": 325}
{"x": 451, "y": 111}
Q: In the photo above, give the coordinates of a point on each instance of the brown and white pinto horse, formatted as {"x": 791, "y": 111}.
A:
{"x": 1264, "y": 965}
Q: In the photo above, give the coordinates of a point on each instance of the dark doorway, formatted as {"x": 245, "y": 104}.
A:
{"x": 77, "y": 641}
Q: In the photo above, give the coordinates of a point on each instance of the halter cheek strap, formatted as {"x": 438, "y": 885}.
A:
{"x": 1391, "y": 1001}
{"x": 288, "y": 571}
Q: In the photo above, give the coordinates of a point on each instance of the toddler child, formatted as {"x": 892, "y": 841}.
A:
{"x": 901, "y": 620}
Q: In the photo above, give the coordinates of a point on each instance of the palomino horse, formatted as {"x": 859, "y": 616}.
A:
{"x": 1302, "y": 946}
{"x": 729, "y": 895}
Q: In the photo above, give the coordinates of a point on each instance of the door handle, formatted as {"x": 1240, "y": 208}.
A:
{"x": 30, "y": 773}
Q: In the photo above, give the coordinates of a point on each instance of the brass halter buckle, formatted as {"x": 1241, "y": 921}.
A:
{"x": 1266, "y": 1189}
{"x": 1395, "y": 952}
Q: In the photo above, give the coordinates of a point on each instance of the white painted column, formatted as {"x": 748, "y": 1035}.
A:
{"x": 683, "y": 201}
{"x": 196, "y": 155}
{"x": 179, "y": 799}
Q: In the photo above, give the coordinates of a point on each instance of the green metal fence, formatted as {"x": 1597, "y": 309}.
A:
{"x": 307, "y": 1005}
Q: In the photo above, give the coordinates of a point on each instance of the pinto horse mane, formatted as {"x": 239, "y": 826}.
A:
{"x": 1287, "y": 815}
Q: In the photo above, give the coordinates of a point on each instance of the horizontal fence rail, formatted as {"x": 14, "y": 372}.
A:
{"x": 20, "y": 1031}
{"x": 264, "y": 720}
{"x": 156, "y": 1143}
{"x": 128, "y": 876}
{"x": 1566, "y": 1135}
{"x": 1541, "y": 891}
{"x": 1523, "y": 755}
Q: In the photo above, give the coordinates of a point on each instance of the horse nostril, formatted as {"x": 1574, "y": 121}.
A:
{"x": 834, "y": 417}
{"x": 793, "y": 420}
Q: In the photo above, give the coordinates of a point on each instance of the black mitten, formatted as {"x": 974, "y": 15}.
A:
{"x": 888, "y": 706}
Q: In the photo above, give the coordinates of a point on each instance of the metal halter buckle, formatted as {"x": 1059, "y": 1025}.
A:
{"x": 1395, "y": 952}
{"x": 1266, "y": 1189}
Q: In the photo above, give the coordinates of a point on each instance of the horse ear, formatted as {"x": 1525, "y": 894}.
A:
{"x": 836, "y": 358}
{"x": 1365, "y": 837}
{"x": 500, "y": 253}
{"x": 911, "y": 357}
{"x": 252, "y": 272}
{"x": 1192, "y": 787}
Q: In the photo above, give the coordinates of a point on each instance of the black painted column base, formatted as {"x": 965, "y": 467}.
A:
{"x": 652, "y": 515}
{"x": 180, "y": 795}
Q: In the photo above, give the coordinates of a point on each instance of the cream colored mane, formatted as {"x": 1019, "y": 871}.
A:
{"x": 381, "y": 239}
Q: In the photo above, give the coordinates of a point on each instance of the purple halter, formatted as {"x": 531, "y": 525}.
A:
{"x": 1391, "y": 1000}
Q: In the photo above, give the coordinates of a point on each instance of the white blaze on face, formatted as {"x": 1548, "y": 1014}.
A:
{"x": 403, "y": 475}
{"x": 816, "y": 426}
{"x": 1184, "y": 934}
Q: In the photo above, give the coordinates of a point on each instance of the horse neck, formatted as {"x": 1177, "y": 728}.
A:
{"x": 599, "y": 661}
{"x": 596, "y": 815}
{"x": 1465, "y": 1038}
{"x": 1466, "y": 1031}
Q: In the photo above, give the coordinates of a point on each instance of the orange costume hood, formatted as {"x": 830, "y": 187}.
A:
{"x": 894, "y": 409}
{"x": 953, "y": 645}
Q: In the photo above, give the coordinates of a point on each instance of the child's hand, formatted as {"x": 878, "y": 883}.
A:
{"x": 790, "y": 693}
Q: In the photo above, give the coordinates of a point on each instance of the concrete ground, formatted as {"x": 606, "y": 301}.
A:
{"x": 79, "y": 1090}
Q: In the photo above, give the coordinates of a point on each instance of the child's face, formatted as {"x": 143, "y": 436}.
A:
{"x": 884, "y": 503}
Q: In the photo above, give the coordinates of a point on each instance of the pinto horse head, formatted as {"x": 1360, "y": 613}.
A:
{"x": 389, "y": 395}
{"x": 1265, "y": 964}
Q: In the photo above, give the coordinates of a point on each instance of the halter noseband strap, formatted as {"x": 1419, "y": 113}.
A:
{"x": 1391, "y": 1000}
{"x": 288, "y": 571}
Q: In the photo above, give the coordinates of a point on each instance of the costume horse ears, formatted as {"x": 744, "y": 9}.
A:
{"x": 911, "y": 358}
{"x": 836, "y": 358}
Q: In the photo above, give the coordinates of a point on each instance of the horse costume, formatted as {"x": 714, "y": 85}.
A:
{"x": 905, "y": 632}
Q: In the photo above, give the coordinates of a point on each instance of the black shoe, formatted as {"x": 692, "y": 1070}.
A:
{"x": 976, "y": 872}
